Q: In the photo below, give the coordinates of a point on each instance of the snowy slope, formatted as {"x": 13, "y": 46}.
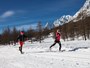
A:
{"x": 83, "y": 12}
{"x": 76, "y": 55}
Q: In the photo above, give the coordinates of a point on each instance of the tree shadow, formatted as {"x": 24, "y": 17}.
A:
{"x": 46, "y": 51}
{"x": 38, "y": 52}
{"x": 75, "y": 49}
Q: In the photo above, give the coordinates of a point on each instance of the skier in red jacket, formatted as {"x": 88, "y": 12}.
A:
{"x": 57, "y": 40}
{"x": 21, "y": 39}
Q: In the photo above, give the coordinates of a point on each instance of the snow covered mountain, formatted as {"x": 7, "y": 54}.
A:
{"x": 64, "y": 19}
{"x": 83, "y": 12}
{"x": 46, "y": 25}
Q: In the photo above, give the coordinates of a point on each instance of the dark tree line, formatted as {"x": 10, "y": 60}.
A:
{"x": 77, "y": 29}
{"x": 9, "y": 35}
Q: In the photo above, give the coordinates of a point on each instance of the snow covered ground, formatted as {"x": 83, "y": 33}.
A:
{"x": 76, "y": 54}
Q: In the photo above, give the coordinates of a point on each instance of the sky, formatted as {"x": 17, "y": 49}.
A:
{"x": 26, "y": 13}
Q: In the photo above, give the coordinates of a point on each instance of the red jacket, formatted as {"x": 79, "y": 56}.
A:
{"x": 57, "y": 36}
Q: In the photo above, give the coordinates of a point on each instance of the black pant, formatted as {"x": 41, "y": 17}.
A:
{"x": 55, "y": 43}
{"x": 20, "y": 49}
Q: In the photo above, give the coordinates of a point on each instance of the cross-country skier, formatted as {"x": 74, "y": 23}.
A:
{"x": 57, "y": 40}
{"x": 21, "y": 39}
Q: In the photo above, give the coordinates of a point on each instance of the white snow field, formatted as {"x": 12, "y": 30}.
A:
{"x": 76, "y": 54}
